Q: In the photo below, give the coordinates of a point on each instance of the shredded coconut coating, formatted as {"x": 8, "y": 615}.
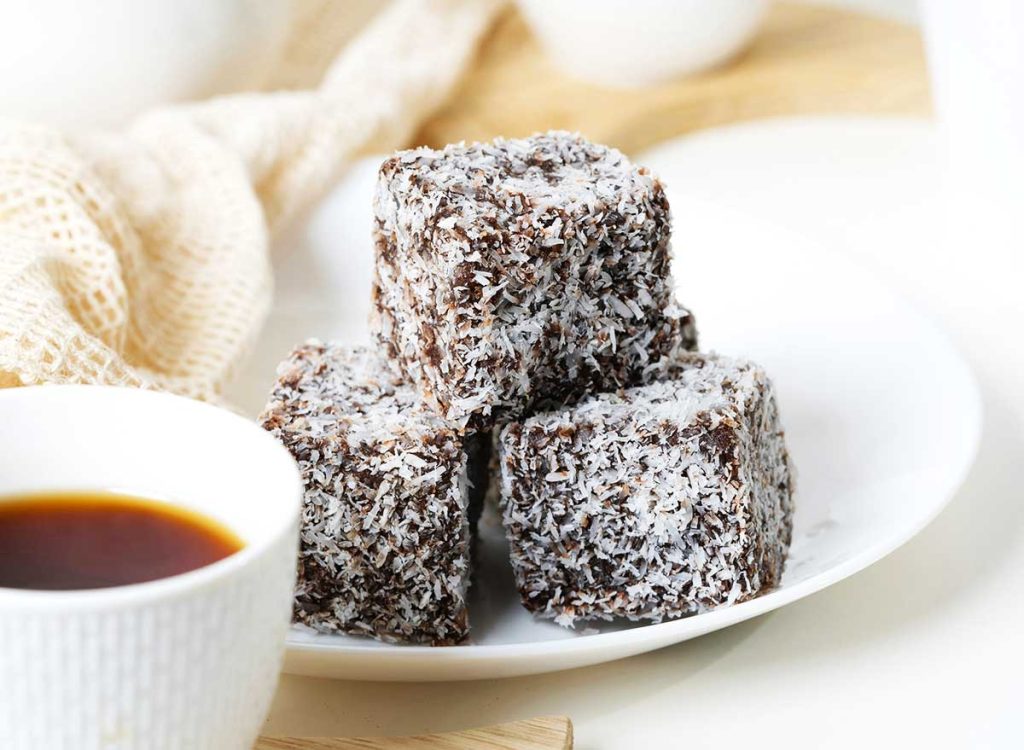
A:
{"x": 517, "y": 272}
{"x": 384, "y": 549}
{"x": 655, "y": 502}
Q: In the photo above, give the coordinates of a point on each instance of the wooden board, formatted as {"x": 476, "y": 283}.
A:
{"x": 546, "y": 733}
{"x": 806, "y": 60}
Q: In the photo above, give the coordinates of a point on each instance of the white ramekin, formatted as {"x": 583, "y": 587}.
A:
{"x": 183, "y": 663}
{"x": 626, "y": 44}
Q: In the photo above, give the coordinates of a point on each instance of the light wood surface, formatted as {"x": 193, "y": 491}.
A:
{"x": 544, "y": 733}
{"x": 806, "y": 60}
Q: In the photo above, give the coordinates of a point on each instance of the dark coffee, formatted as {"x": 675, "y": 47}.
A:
{"x": 92, "y": 540}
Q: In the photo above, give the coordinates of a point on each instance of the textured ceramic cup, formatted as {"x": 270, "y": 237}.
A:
{"x": 186, "y": 662}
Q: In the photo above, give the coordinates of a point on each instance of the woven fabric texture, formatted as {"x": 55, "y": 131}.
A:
{"x": 141, "y": 257}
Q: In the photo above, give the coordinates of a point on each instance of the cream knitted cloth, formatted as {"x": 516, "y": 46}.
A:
{"x": 141, "y": 257}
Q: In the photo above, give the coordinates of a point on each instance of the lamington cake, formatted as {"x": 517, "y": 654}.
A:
{"x": 384, "y": 540}
{"x": 523, "y": 271}
{"x": 654, "y": 502}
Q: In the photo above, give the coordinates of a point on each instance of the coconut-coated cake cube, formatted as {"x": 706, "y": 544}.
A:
{"x": 652, "y": 503}
{"x": 522, "y": 271}
{"x": 384, "y": 539}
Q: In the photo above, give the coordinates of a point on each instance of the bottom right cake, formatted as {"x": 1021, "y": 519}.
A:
{"x": 651, "y": 503}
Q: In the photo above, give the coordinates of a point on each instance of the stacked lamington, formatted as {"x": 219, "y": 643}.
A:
{"x": 385, "y": 539}
{"x": 653, "y": 502}
{"x": 528, "y": 280}
{"x": 519, "y": 272}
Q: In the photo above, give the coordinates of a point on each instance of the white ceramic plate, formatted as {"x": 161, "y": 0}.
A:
{"x": 882, "y": 417}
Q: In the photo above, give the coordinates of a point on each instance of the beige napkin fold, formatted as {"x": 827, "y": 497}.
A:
{"x": 141, "y": 257}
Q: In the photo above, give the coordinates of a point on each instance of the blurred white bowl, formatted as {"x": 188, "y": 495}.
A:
{"x": 626, "y": 44}
{"x": 68, "y": 62}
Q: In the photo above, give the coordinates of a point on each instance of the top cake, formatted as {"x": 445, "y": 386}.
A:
{"x": 520, "y": 272}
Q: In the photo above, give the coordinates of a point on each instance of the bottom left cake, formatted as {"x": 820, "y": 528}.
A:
{"x": 385, "y": 535}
